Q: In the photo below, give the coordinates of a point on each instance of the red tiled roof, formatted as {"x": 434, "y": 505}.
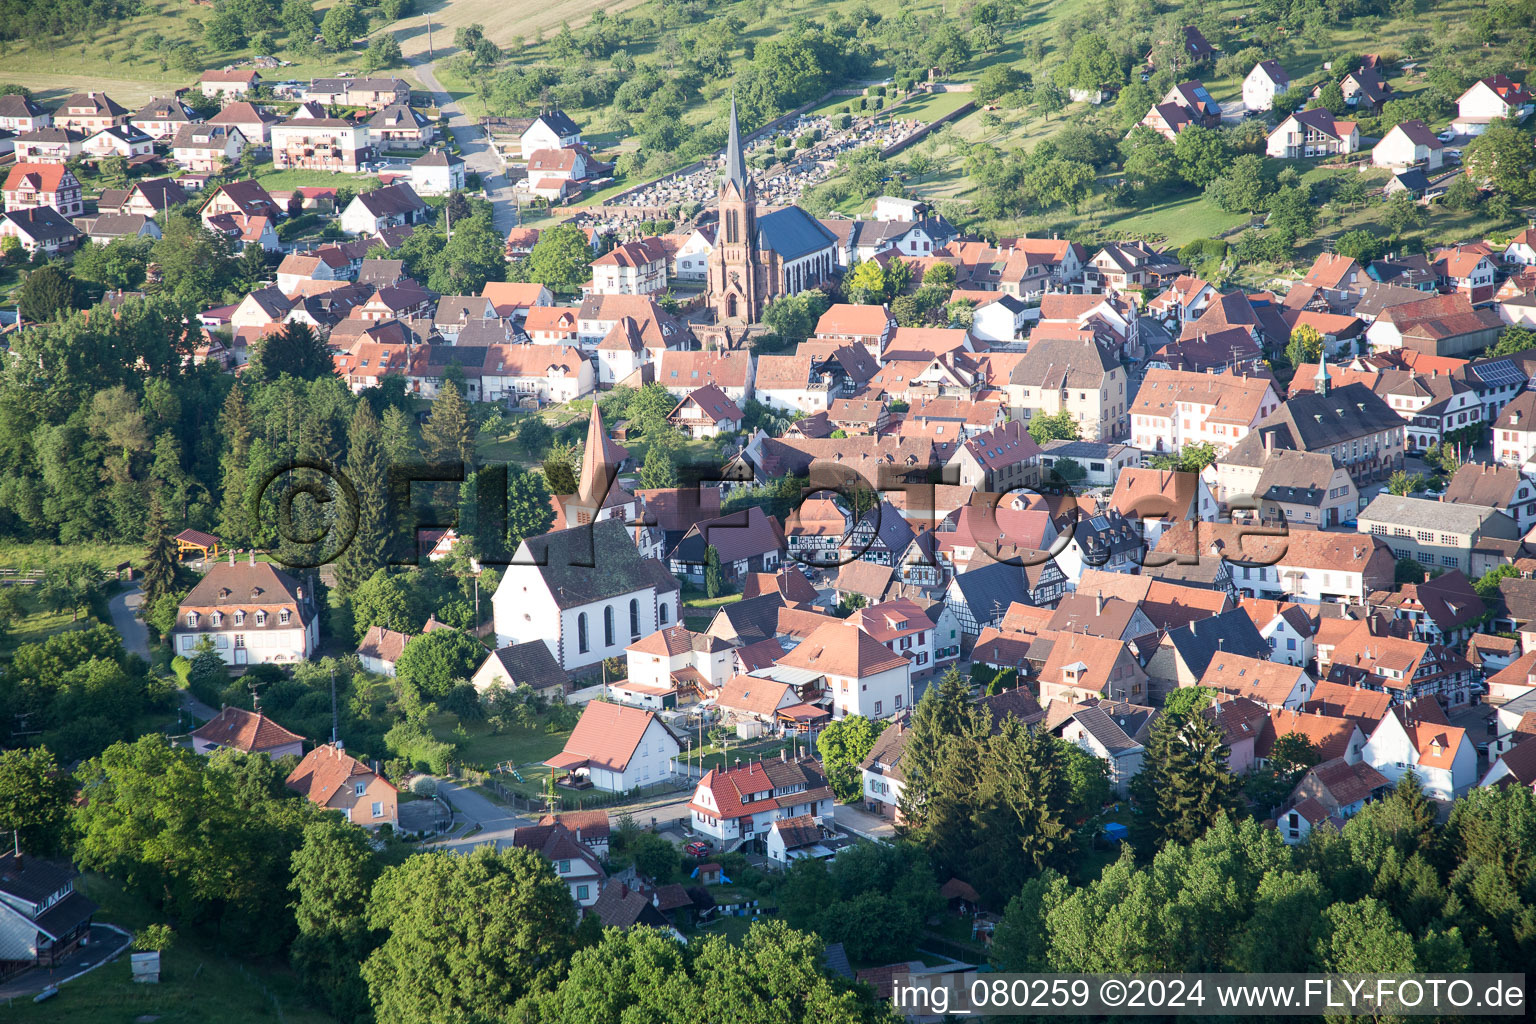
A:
{"x": 249, "y": 731}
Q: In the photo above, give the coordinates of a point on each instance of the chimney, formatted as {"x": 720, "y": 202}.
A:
{"x": 253, "y": 557}
{"x": 341, "y": 747}
{"x": 1098, "y": 603}
{"x": 231, "y": 558}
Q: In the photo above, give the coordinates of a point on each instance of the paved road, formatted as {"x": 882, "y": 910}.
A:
{"x": 496, "y": 822}
{"x": 125, "y": 619}
{"x": 106, "y": 944}
{"x": 475, "y": 148}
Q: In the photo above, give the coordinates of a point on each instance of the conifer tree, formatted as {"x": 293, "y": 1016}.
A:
{"x": 235, "y": 424}
{"x": 941, "y": 713}
{"x": 450, "y": 434}
{"x": 1021, "y": 802}
{"x": 396, "y": 426}
{"x": 159, "y": 570}
{"x": 1184, "y": 784}
{"x": 368, "y": 470}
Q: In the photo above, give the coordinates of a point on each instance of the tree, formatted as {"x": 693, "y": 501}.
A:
{"x": 1058, "y": 426}
{"x": 295, "y": 350}
{"x": 1201, "y": 155}
{"x": 1292, "y": 215}
{"x": 1184, "y": 786}
{"x": 1402, "y": 483}
{"x": 1502, "y": 156}
{"x": 1408, "y": 570}
{"x": 561, "y": 259}
{"x": 46, "y": 292}
{"x": 1242, "y": 188}
{"x": 1513, "y": 339}
{"x": 1360, "y": 245}
{"x": 941, "y": 712}
{"x": 35, "y": 795}
{"x": 774, "y": 974}
{"x": 449, "y": 435}
{"x": 383, "y": 600}
{"x": 1091, "y": 66}
{"x": 1461, "y": 194}
{"x": 158, "y": 571}
{"x": 842, "y": 745}
{"x": 865, "y": 286}
{"x": 432, "y": 664}
{"x": 713, "y": 580}
{"x": 236, "y": 427}
{"x": 1305, "y": 346}
{"x": 368, "y": 469}
{"x": 1402, "y": 214}
{"x": 1187, "y": 701}
{"x": 466, "y": 936}
{"x": 383, "y": 52}
{"x": 341, "y": 25}
{"x": 1133, "y": 103}
{"x": 121, "y": 263}
{"x": 1020, "y": 816}
{"x": 656, "y": 857}
{"x": 998, "y": 81}
{"x": 658, "y": 469}
{"x": 196, "y": 264}
{"x": 1363, "y": 938}
{"x": 1331, "y": 98}
{"x": 333, "y": 873}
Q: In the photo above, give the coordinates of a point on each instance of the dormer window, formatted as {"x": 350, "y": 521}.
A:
{"x": 240, "y": 618}
{"x": 261, "y": 618}
{"x": 283, "y": 616}
{"x": 192, "y": 618}
{"x": 217, "y": 618}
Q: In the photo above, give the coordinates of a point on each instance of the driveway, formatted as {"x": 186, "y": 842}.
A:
{"x": 476, "y": 150}
{"x": 106, "y": 943}
{"x": 125, "y": 619}
{"x": 471, "y": 808}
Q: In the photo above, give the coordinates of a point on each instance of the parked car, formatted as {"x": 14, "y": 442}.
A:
{"x": 698, "y": 848}
{"x": 1447, "y": 135}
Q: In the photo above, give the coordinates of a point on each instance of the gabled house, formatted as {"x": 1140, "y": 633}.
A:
{"x": 1416, "y": 736}
{"x": 122, "y": 140}
{"x": 1273, "y": 684}
{"x": 678, "y": 659}
{"x": 253, "y": 613}
{"x": 706, "y": 412}
{"x": 89, "y": 112}
{"x": 42, "y": 917}
{"x": 1184, "y": 654}
{"x": 40, "y": 229}
{"x": 863, "y": 676}
{"x": 1409, "y": 144}
{"x": 1333, "y": 791}
{"x": 1312, "y": 133}
{"x": 1516, "y": 767}
{"x": 551, "y": 593}
{"x": 400, "y": 126}
{"x": 19, "y": 113}
{"x": 391, "y": 206}
{"x": 1490, "y": 99}
{"x": 738, "y": 806}
{"x": 162, "y": 117}
{"x": 210, "y": 148}
{"x": 882, "y": 777}
{"x": 249, "y": 731}
{"x": 236, "y": 82}
{"x": 334, "y": 780}
{"x": 1114, "y": 731}
{"x": 980, "y": 597}
{"x": 527, "y": 664}
{"x": 745, "y": 542}
{"x": 28, "y": 186}
{"x": 381, "y": 648}
{"x": 255, "y": 123}
{"x": 1080, "y": 667}
{"x": 576, "y": 863}
{"x": 618, "y": 748}
{"x": 1263, "y": 84}
{"x": 1003, "y": 459}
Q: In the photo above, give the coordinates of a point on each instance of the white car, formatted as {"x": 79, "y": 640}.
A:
{"x": 1454, "y": 154}
{"x": 1446, "y": 136}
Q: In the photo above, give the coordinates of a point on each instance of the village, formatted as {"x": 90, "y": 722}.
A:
{"x": 850, "y": 554}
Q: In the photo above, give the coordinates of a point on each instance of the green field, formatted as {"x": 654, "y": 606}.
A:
{"x": 484, "y": 749}
{"x": 124, "y": 60}
{"x": 199, "y": 983}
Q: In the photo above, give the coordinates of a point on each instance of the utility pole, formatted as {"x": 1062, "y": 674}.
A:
{"x": 429, "y": 37}
{"x": 333, "y": 707}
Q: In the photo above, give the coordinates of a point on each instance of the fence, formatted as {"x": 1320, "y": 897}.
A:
{"x": 927, "y": 129}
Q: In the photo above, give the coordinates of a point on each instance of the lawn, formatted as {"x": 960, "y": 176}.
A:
{"x": 41, "y": 554}
{"x": 198, "y": 982}
{"x": 37, "y": 625}
{"x": 124, "y": 60}
{"x": 485, "y": 749}
{"x": 294, "y": 177}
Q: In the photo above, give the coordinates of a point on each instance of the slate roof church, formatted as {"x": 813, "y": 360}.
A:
{"x": 759, "y": 258}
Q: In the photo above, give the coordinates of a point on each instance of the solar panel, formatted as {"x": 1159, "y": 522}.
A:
{"x": 1498, "y": 374}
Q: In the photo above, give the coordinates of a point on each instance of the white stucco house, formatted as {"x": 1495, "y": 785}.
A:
{"x": 738, "y": 805}
{"x": 618, "y": 748}
{"x": 586, "y": 592}
{"x": 1415, "y": 737}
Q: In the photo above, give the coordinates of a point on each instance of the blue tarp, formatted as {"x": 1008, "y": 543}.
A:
{"x": 1115, "y": 832}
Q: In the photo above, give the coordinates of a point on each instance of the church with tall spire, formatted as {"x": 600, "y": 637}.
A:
{"x": 598, "y": 493}
{"x": 759, "y": 256}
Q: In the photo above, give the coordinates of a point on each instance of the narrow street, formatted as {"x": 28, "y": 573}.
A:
{"x": 125, "y": 619}
{"x": 471, "y": 808}
{"x": 479, "y": 158}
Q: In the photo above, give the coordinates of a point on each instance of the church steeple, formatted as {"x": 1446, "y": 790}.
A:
{"x": 735, "y": 163}
{"x": 596, "y": 474}
{"x": 1322, "y": 380}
